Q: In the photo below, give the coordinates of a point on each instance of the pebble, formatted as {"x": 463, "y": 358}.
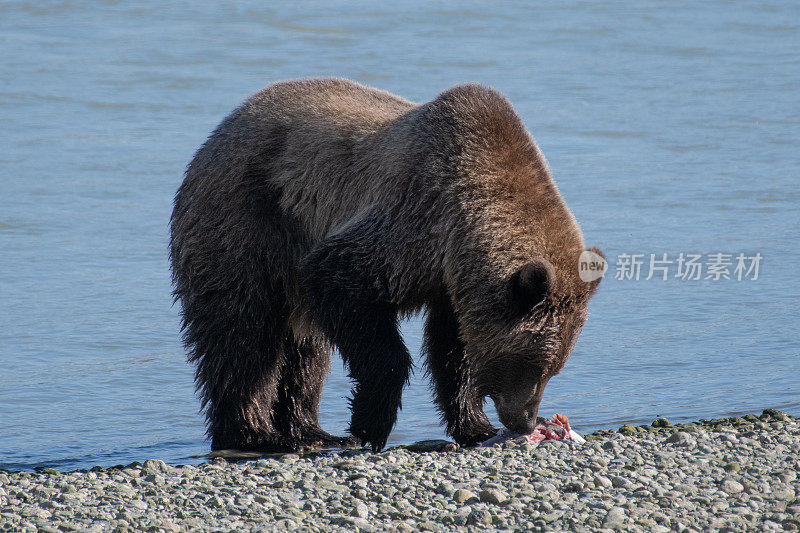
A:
{"x": 732, "y": 467}
{"x": 479, "y": 517}
{"x": 720, "y": 475}
{"x": 361, "y": 510}
{"x": 139, "y": 504}
{"x": 620, "y": 482}
{"x": 463, "y": 496}
{"x": 544, "y": 488}
{"x": 614, "y": 517}
{"x": 602, "y": 482}
{"x": 661, "y": 423}
{"x": 154, "y": 466}
{"x": 445, "y": 488}
{"x": 493, "y": 496}
{"x": 731, "y": 486}
{"x": 681, "y": 438}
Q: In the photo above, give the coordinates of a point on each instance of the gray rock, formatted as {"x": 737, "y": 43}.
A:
{"x": 731, "y": 486}
{"x": 790, "y": 524}
{"x": 620, "y": 482}
{"x": 445, "y": 488}
{"x": 602, "y": 482}
{"x": 155, "y": 479}
{"x": 681, "y": 438}
{"x": 154, "y": 466}
{"x": 287, "y": 524}
{"x": 614, "y": 517}
{"x": 140, "y": 504}
{"x": 361, "y": 510}
{"x": 783, "y": 492}
{"x": 479, "y": 517}
{"x": 462, "y": 515}
{"x": 215, "y": 502}
{"x": 463, "y": 496}
{"x": 543, "y": 488}
{"x": 493, "y": 496}
{"x": 432, "y": 446}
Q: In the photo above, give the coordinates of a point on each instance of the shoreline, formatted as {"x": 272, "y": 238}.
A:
{"x": 735, "y": 473}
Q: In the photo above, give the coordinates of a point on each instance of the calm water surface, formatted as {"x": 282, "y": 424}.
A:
{"x": 670, "y": 127}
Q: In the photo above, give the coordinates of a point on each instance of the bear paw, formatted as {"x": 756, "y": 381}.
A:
{"x": 315, "y": 437}
{"x": 470, "y": 437}
{"x": 375, "y": 434}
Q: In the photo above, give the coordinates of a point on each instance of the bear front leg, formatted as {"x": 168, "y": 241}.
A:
{"x": 349, "y": 303}
{"x": 305, "y": 364}
{"x": 456, "y": 397}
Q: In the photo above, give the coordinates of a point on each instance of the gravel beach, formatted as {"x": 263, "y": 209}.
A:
{"x": 729, "y": 474}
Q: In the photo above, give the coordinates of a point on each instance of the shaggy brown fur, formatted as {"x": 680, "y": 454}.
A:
{"x": 321, "y": 210}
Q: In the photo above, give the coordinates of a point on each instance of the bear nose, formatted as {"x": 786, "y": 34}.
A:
{"x": 526, "y": 426}
{"x": 519, "y": 420}
{"x": 518, "y": 424}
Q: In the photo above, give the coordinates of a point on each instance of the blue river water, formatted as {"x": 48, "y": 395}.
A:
{"x": 671, "y": 128}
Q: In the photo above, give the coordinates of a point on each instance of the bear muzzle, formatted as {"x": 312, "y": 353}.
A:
{"x": 518, "y": 416}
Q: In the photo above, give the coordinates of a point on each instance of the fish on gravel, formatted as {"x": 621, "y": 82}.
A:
{"x": 556, "y": 428}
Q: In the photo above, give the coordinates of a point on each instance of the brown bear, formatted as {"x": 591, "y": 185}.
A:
{"x": 320, "y": 211}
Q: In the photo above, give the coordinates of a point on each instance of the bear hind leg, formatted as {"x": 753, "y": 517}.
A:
{"x": 237, "y": 349}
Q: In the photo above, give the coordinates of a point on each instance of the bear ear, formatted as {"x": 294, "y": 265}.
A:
{"x": 531, "y": 284}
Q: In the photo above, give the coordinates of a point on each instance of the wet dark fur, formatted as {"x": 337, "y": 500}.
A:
{"x": 321, "y": 210}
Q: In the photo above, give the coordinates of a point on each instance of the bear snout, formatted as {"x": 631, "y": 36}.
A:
{"x": 518, "y": 417}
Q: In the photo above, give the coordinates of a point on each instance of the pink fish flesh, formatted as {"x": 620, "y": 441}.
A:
{"x": 556, "y": 428}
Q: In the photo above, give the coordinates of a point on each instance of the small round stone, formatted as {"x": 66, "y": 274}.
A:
{"x": 479, "y": 517}
{"x": 731, "y": 486}
{"x": 602, "y": 482}
{"x": 614, "y": 517}
{"x": 681, "y": 438}
{"x": 153, "y": 466}
{"x": 361, "y": 510}
{"x": 463, "y": 496}
{"x": 493, "y": 496}
{"x": 620, "y": 482}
